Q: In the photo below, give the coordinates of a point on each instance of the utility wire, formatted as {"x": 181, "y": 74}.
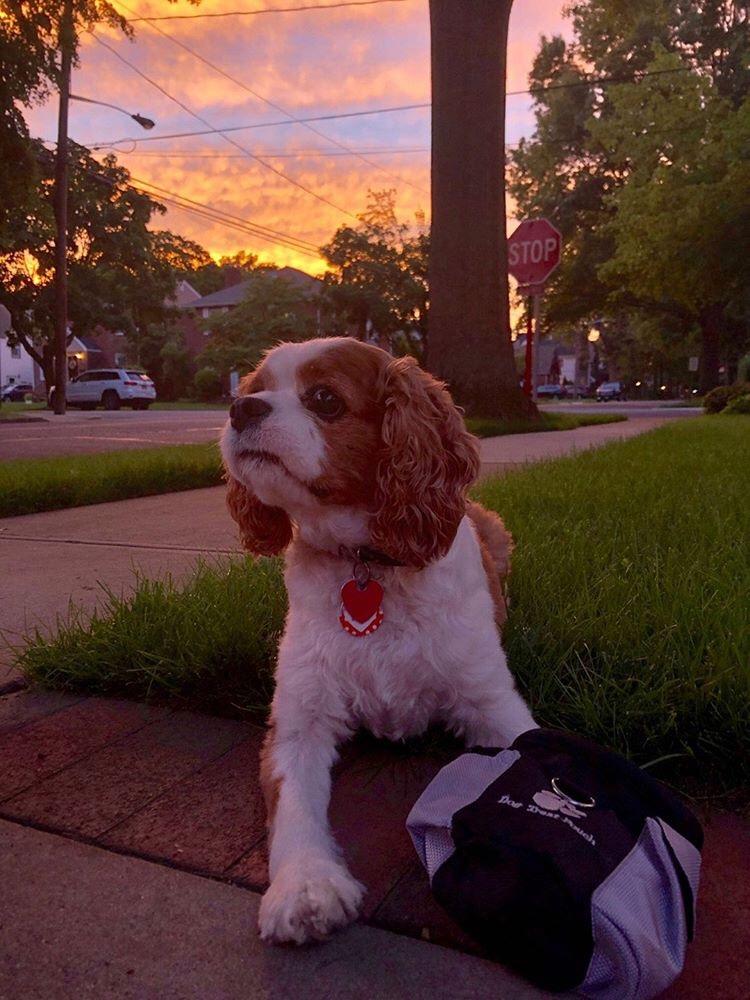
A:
{"x": 265, "y": 10}
{"x": 215, "y": 215}
{"x": 302, "y": 244}
{"x": 271, "y": 104}
{"x": 200, "y": 118}
{"x": 288, "y": 154}
{"x": 594, "y": 82}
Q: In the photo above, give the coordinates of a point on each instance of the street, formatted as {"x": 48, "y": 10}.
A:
{"x": 80, "y": 432}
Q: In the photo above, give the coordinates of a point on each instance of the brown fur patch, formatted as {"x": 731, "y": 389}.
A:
{"x": 352, "y": 370}
{"x": 496, "y": 545}
{"x": 269, "y": 783}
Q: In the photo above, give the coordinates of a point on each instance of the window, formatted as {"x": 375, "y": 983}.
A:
{"x": 15, "y": 352}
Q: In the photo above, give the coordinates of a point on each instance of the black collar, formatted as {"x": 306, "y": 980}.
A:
{"x": 364, "y": 554}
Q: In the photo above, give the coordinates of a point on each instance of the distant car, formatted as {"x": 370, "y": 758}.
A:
{"x": 16, "y": 393}
{"x": 552, "y": 391}
{"x": 110, "y": 388}
{"x": 610, "y": 390}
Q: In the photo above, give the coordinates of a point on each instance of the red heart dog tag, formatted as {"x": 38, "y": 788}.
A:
{"x": 361, "y": 613}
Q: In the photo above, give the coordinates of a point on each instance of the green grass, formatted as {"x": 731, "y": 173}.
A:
{"x": 484, "y": 428}
{"x": 31, "y": 485}
{"x": 628, "y": 623}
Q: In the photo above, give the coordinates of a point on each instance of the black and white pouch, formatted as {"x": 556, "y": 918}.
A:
{"x": 565, "y": 862}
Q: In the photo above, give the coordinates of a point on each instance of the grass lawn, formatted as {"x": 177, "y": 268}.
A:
{"x": 628, "y": 619}
{"x": 484, "y": 428}
{"x": 28, "y": 486}
{"x": 31, "y": 485}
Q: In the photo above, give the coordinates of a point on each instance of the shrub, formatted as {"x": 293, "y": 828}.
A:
{"x": 207, "y": 384}
{"x": 716, "y": 400}
{"x": 740, "y": 404}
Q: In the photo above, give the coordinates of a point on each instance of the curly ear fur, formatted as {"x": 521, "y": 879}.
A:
{"x": 428, "y": 459}
{"x": 266, "y": 531}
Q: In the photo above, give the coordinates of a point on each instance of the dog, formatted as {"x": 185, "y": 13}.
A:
{"x": 356, "y": 465}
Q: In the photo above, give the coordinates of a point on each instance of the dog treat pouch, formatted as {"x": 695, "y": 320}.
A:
{"x": 565, "y": 862}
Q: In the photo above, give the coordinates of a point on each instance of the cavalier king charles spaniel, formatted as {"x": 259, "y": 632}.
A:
{"x": 356, "y": 465}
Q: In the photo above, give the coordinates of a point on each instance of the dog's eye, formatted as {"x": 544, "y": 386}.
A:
{"x": 324, "y": 402}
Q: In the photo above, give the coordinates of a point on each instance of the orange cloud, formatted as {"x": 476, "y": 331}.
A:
{"x": 322, "y": 62}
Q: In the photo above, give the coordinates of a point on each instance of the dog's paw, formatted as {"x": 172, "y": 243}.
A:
{"x": 307, "y": 900}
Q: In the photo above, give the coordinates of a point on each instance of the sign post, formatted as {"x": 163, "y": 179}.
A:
{"x": 533, "y": 254}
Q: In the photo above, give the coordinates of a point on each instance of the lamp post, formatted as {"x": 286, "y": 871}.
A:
{"x": 66, "y": 43}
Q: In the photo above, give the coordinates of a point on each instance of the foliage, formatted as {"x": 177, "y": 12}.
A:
{"x": 272, "y": 309}
{"x": 376, "y": 284}
{"x": 717, "y": 400}
{"x": 121, "y": 273}
{"x": 207, "y": 383}
{"x": 646, "y": 178}
{"x": 627, "y": 621}
{"x": 31, "y": 485}
{"x": 739, "y": 404}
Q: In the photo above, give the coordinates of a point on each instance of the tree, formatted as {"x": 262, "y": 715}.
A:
{"x": 586, "y": 150}
{"x": 682, "y": 221}
{"x": 120, "y": 272}
{"x": 469, "y": 344}
{"x": 272, "y": 310}
{"x": 377, "y": 278}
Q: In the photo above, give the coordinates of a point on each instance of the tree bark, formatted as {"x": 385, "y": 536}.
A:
{"x": 469, "y": 344}
{"x": 710, "y": 361}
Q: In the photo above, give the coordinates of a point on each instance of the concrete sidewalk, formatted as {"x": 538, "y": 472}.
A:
{"x": 181, "y": 790}
{"x": 59, "y": 558}
{"x": 176, "y": 936}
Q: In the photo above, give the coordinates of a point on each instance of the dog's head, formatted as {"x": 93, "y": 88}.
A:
{"x": 338, "y": 424}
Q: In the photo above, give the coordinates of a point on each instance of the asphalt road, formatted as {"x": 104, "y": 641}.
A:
{"x": 80, "y": 432}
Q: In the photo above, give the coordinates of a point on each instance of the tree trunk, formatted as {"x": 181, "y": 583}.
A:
{"x": 710, "y": 323}
{"x": 469, "y": 344}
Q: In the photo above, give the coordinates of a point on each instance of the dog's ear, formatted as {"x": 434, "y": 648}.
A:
{"x": 428, "y": 458}
{"x": 264, "y": 530}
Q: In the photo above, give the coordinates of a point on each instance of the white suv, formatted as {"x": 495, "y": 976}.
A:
{"x": 112, "y": 387}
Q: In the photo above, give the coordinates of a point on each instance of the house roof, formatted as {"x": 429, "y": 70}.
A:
{"x": 233, "y": 295}
{"x": 89, "y": 345}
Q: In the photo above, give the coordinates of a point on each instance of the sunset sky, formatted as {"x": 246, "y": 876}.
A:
{"x": 307, "y": 63}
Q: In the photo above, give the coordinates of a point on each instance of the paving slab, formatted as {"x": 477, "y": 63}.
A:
{"x": 39, "y": 749}
{"x": 205, "y": 823}
{"x": 90, "y": 797}
{"x": 77, "y": 921}
{"x": 22, "y": 707}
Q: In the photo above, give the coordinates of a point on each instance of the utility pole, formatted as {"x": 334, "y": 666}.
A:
{"x": 61, "y": 211}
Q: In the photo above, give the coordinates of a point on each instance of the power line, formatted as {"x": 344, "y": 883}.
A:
{"x": 271, "y": 104}
{"x": 596, "y": 81}
{"x": 252, "y": 156}
{"x": 265, "y": 10}
{"x": 264, "y": 233}
{"x": 287, "y": 154}
{"x": 262, "y": 230}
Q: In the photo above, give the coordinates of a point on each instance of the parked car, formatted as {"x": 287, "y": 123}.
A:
{"x": 16, "y": 393}
{"x": 610, "y": 390}
{"x": 110, "y": 387}
{"x": 552, "y": 391}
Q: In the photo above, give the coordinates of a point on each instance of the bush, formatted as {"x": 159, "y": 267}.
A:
{"x": 740, "y": 404}
{"x": 207, "y": 384}
{"x": 716, "y": 400}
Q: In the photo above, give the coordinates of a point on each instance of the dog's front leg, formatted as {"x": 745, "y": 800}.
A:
{"x": 311, "y": 891}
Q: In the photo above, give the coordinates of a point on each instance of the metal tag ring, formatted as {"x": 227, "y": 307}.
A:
{"x": 588, "y": 804}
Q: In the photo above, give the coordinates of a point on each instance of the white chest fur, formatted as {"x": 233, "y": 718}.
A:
{"x": 437, "y": 646}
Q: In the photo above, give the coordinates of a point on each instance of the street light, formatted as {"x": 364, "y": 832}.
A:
{"x": 593, "y": 335}
{"x": 66, "y": 42}
{"x": 146, "y": 123}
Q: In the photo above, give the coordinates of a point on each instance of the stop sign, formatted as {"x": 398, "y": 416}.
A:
{"x": 534, "y": 251}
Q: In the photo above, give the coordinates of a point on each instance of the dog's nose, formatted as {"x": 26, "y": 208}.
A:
{"x": 248, "y": 410}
